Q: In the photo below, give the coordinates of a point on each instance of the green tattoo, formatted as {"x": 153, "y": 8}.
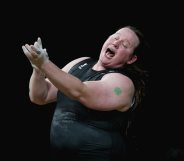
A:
{"x": 117, "y": 91}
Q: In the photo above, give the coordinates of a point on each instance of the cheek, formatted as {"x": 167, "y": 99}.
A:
{"x": 122, "y": 58}
{"x": 118, "y": 63}
{"x": 104, "y": 47}
{"x": 123, "y": 53}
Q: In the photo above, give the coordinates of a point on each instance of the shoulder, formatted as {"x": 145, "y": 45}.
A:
{"x": 120, "y": 80}
{"x": 122, "y": 86}
{"x": 117, "y": 77}
{"x": 68, "y": 66}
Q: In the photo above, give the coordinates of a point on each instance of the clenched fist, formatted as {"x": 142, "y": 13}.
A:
{"x": 36, "y": 54}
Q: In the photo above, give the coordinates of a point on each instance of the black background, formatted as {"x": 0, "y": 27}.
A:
{"x": 70, "y": 30}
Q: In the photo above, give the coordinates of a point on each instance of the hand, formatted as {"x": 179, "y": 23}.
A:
{"x": 36, "y": 54}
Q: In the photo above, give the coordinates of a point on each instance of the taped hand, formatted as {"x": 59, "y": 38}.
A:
{"x": 36, "y": 54}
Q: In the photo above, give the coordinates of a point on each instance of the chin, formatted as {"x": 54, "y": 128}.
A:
{"x": 105, "y": 62}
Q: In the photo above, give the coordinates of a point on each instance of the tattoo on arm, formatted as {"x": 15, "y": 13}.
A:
{"x": 117, "y": 91}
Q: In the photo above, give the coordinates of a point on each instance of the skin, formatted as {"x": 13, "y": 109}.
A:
{"x": 104, "y": 94}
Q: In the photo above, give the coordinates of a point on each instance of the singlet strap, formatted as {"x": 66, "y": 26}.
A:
{"x": 80, "y": 65}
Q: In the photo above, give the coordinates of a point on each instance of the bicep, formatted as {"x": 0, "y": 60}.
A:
{"x": 113, "y": 92}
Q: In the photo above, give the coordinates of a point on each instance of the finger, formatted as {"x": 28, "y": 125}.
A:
{"x": 24, "y": 49}
{"x": 36, "y": 44}
{"x": 35, "y": 50}
{"x": 26, "y": 52}
{"x": 39, "y": 42}
{"x": 32, "y": 52}
{"x": 28, "y": 48}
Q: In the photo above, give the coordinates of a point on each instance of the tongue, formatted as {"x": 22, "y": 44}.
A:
{"x": 109, "y": 54}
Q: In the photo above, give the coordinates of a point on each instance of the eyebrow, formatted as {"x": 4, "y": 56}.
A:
{"x": 125, "y": 39}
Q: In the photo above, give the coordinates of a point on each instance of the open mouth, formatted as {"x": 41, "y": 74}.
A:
{"x": 109, "y": 53}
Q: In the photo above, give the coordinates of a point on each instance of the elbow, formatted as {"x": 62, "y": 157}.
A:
{"x": 36, "y": 100}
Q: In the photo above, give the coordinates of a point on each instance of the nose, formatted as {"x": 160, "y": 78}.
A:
{"x": 116, "y": 43}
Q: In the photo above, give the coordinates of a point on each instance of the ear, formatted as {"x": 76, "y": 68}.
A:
{"x": 132, "y": 60}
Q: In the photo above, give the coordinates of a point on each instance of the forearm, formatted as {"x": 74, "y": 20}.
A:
{"x": 68, "y": 84}
{"x": 38, "y": 87}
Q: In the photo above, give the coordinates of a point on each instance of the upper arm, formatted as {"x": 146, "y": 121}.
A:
{"x": 113, "y": 92}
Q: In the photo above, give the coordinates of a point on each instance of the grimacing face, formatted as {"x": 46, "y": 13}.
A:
{"x": 118, "y": 49}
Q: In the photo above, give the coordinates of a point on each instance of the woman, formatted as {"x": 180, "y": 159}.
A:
{"x": 95, "y": 98}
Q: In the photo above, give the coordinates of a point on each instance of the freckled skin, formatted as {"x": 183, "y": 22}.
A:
{"x": 117, "y": 91}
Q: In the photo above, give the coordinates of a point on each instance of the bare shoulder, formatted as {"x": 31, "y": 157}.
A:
{"x": 123, "y": 87}
{"x": 67, "y": 67}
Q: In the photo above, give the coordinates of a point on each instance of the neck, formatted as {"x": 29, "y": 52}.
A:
{"x": 98, "y": 66}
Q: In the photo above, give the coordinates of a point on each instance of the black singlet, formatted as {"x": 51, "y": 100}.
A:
{"x": 82, "y": 134}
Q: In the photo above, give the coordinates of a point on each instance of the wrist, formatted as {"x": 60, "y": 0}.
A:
{"x": 38, "y": 72}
